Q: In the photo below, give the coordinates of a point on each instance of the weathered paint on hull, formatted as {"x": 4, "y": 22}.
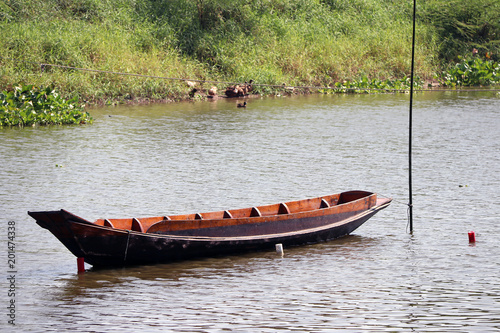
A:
{"x": 104, "y": 246}
{"x": 168, "y": 240}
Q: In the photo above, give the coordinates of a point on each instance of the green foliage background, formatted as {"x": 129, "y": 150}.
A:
{"x": 297, "y": 42}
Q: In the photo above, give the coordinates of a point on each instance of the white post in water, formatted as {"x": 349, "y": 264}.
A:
{"x": 279, "y": 249}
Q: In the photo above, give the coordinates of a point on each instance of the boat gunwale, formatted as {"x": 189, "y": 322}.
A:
{"x": 232, "y": 221}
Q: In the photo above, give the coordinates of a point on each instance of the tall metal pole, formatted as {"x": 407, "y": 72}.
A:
{"x": 410, "y": 202}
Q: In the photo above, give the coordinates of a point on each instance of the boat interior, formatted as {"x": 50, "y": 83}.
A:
{"x": 228, "y": 217}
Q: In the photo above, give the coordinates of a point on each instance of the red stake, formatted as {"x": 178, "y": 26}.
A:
{"x": 81, "y": 264}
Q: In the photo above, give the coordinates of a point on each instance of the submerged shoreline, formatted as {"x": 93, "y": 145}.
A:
{"x": 204, "y": 97}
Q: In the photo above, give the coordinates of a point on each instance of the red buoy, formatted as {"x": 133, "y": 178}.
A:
{"x": 472, "y": 237}
{"x": 81, "y": 264}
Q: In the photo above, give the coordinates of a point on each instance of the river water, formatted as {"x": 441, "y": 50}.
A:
{"x": 192, "y": 157}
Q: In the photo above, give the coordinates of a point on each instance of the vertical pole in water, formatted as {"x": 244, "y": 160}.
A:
{"x": 80, "y": 262}
{"x": 410, "y": 203}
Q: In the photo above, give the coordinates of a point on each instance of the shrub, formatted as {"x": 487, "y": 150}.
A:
{"x": 463, "y": 25}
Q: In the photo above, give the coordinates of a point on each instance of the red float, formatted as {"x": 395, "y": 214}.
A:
{"x": 472, "y": 237}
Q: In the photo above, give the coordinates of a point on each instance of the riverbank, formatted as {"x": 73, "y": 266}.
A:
{"x": 295, "y": 43}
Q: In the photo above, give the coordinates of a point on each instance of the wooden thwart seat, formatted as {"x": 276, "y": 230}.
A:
{"x": 255, "y": 212}
{"x": 107, "y": 223}
{"x": 137, "y": 225}
{"x": 126, "y": 224}
{"x": 324, "y": 204}
{"x": 283, "y": 209}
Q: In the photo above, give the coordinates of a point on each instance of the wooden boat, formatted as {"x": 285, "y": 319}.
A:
{"x": 137, "y": 241}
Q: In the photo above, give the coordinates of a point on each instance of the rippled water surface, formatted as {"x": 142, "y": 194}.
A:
{"x": 192, "y": 157}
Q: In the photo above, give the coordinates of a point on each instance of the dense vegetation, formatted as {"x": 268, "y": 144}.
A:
{"x": 472, "y": 72}
{"x": 30, "y": 105}
{"x": 274, "y": 42}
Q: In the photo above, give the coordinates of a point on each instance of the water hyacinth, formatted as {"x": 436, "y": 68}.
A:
{"x": 365, "y": 85}
{"x": 472, "y": 72}
{"x": 28, "y": 105}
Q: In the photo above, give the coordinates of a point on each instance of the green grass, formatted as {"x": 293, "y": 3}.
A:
{"x": 296, "y": 42}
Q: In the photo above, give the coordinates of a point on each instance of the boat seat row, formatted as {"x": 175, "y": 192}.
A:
{"x": 256, "y": 211}
{"x": 143, "y": 224}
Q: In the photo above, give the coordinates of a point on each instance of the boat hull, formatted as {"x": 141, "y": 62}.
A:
{"x": 105, "y": 246}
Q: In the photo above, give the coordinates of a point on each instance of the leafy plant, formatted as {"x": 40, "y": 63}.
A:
{"x": 364, "y": 84}
{"x": 472, "y": 72}
{"x": 27, "y": 105}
